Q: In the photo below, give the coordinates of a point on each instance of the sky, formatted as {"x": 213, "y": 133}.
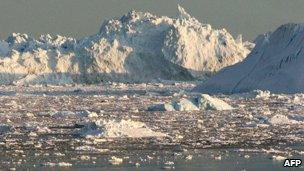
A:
{"x": 79, "y": 18}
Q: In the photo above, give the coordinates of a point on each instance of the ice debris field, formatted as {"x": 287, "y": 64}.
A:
{"x": 122, "y": 125}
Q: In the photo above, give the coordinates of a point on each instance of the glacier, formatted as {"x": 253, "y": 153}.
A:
{"x": 137, "y": 47}
{"x": 275, "y": 64}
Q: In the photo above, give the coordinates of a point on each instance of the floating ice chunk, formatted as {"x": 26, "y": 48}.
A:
{"x": 218, "y": 157}
{"x": 91, "y": 149}
{"x": 162, "y": 107}
{"x": 255, "y": 94}
{"x": 43, "y": 130}
{"x": 59, "y": 154}
{"x": 169, "y": 165}
{"x": 118, "y": 129}
{"x": 67, "y": 114}
{"x": 64, "y": 164}
{"x": 279, "y": 158}
{"x": 261, "y": 94}
{"x": 137, "y": 165}
{"x": 50, "y": 164}
{"x": 298, "y": 99}
{"x": 189, "y": 157}
{"x": 282, "y": 120}
{"x": 90, "y": 129}
{"x": 87, "y": 113}
{"x": 30, "y": 115}
{"x": 116, "y": 160}
{"x": 32, "y": 134}
{"x": 93, "y": 115}
{"x": 185, "y": 105}
{"x": 83, "y": 157}
{"x": 128, "y": 128}
{"x": 206, "y": 102}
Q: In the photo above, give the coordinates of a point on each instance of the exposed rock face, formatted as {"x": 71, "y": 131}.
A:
{"x": 275, "y": 64}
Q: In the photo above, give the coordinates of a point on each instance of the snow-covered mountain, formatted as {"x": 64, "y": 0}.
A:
{"x": 275, "y": 64}
{"x": 137, "y": 47}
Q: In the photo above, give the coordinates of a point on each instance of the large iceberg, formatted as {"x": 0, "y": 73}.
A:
{"x": 136, "y": 47}
{"x": 275, "y": 64}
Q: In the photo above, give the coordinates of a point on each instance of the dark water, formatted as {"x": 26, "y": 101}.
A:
{"x": 202, "y": 160}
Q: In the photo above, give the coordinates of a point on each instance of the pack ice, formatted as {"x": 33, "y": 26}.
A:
{"x": 275, "y": 64}
{"x": 137, "y": 47}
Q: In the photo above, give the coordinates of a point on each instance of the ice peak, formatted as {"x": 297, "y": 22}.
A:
{"x": 135, "y": 16}
{"x": 290, "y": 28}
{"x": 182, "y": 12}
{"x": 275, "y": 64}
{"x": 17, "y": 38}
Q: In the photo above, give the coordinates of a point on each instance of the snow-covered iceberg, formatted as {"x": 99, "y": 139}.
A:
{"x": 137, "y": 47}
{"x": 35, "y": 61}
{"x": 275, "y": 64}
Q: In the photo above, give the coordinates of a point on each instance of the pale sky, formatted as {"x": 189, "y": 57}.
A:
{"x": 79, "y": 18}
